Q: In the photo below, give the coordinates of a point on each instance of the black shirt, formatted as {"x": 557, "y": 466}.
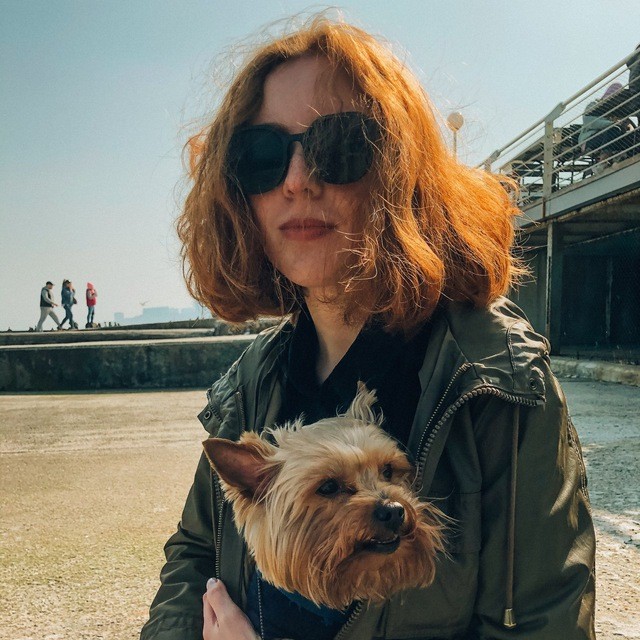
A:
{"x": 386, "y": 363}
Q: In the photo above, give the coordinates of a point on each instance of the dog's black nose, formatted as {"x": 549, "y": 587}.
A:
{"x": 390, "y": 515}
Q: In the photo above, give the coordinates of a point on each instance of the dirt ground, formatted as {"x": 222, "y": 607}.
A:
{"x": 93, "y": 484}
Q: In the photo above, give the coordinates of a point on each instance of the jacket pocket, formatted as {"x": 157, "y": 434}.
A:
{"x": 444, "y": 609}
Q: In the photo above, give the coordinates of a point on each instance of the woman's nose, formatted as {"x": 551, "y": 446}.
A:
{"x": 299, "y": 177}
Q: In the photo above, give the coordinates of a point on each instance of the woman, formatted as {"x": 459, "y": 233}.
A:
{"x": 68, "y": 300}
{"x": 323, "y": 189}
{"x": 92, "y": 299}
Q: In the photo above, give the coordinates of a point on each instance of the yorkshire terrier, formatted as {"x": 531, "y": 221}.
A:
{"x": 327, "y": 509}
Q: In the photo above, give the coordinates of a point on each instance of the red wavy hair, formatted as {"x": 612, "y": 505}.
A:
{"x": 432, "y": 229}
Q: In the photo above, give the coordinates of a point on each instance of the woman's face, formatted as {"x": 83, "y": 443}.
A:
{"x": 307, "y": 225}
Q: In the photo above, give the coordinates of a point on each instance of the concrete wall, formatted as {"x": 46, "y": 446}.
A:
{"x": 529, "y": 296}
{"x": 195, "y": 362}
{"x": 600, "y": 298}
{"x": 584, "y": 300}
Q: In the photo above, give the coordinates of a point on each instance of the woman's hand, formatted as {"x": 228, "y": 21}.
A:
{"x": 223, "y": 619}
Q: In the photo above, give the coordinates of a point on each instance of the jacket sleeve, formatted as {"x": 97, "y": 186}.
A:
{"x": 176, "y": 612}
{"x": 542, "y": 565}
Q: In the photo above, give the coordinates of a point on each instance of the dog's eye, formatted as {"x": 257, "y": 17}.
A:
{"x": 329, "y": 488}
{"x": 387, "y": 472}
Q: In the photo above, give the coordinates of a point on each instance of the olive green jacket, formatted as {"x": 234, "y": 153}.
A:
{"x": 494, "y": 446}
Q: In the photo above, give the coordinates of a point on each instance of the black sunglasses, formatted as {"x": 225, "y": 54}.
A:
{"x": 338, "y": 149}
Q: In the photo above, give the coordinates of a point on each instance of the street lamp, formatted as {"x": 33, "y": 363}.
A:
{"x": 455, "y": 122}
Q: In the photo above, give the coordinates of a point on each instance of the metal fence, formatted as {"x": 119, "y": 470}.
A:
{"x": 582, "y": 137}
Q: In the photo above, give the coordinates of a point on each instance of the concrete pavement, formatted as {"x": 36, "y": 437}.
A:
{"x": 93, "y": 484}
{"x": 596, "y": 370}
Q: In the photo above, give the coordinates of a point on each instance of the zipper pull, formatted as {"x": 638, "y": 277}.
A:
{"x": 509, "y": 619}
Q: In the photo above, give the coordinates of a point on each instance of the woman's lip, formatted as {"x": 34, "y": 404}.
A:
{"x": 306, "y": 229}
{"x": 306, "y": 223}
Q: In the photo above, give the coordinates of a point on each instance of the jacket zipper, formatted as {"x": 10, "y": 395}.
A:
{"x": 465, "y": 367}
{"x": 240, "y": 407}
{"x": 355, "y": 614}
{"x": 428, "y": 437}
{"x": 218, "y": 499}
{"x": 219, "y": 496}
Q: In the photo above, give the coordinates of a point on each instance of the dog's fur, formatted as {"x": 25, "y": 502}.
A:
{"x": 331, "y": 549}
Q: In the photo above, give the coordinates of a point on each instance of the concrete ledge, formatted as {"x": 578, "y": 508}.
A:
{"x": 596, "y": 370}
{"x": 97, "y": 335}
{"x": 204, "y": 328}
{"x": 130, "y": 364}
{"x": 176, "y": 361}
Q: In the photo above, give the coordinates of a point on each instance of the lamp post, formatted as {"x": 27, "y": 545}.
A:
{"x": 455, "y": 122}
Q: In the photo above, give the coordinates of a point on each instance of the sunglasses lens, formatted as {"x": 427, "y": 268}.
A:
{"x": 257, "y": 160}
{"x": 340, "y": 146}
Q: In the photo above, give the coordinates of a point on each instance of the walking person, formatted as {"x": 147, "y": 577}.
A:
{"x": 68, "y": 300}
{"x": 46, "y": 306}
{"x": 92, "y": 299}
{"x": 324, "y": 194}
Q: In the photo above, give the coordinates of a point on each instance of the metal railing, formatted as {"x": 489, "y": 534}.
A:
{"x": 581, "y": 138}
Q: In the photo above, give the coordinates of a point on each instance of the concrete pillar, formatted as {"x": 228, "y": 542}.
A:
{"x": 553, "y": 286}
{"x": 609, "y": 300}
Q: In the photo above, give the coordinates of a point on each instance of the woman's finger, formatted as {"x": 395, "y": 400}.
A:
{"x": 219, "y": 601}
{"x": 226, "y": 620}
{"x": 208, "y": 613}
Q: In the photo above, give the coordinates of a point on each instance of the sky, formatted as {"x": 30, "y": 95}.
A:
{"x": 97, "y": 99}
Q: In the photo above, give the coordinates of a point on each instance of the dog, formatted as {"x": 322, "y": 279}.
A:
{"x": 327, "y": 509}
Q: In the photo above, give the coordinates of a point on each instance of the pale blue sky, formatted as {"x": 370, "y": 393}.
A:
{"x": 96, "y": 98}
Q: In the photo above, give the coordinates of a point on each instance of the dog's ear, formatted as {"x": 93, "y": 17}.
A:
{"x": 242, "y": 465}
{"x": 362, "y": 406}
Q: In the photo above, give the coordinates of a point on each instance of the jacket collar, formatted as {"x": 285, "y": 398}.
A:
{"x": 492, "y": 347}
{"x": 506, "y": 353}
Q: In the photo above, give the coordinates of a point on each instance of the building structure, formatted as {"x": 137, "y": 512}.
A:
{"x": 578, "y": 174}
